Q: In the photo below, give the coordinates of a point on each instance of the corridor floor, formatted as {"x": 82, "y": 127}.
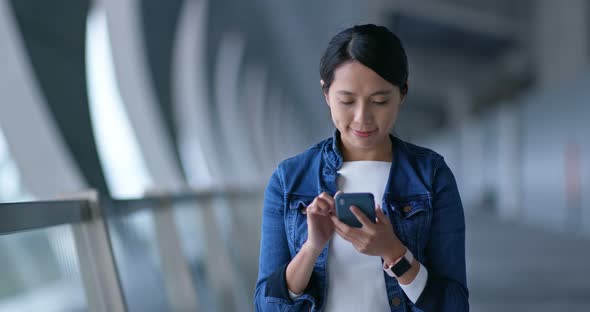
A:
{"x": 513, "y": 267}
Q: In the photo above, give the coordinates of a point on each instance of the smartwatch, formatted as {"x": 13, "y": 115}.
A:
{"x": 401, "y": 266}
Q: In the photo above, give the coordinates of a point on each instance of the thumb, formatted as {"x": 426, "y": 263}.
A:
{"x": 381, "y": 217}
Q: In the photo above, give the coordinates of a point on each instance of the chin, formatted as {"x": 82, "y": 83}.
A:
{"x": 364, "y": 145}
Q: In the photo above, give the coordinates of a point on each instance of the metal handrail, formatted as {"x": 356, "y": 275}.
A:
{"x": 30, "y": 215}
{"x": 87, "y": 215}
{"x": 24, "y": 216}
{"x": 154, "y": 198}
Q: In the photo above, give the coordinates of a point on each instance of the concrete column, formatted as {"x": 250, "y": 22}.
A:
{"x": 191, "y": 98}
{"x": 509, "y": 174}
{"x": 254, "y": 91}
{"x": 240, "y": 165}
{"x": 458, "y": 110}
{"x": 40, "y": 154}
{"x": 467, "y": 160}
{"x": 138, "y": 94}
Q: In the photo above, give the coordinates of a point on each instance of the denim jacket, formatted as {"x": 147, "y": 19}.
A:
{"x": 421, "y": 199}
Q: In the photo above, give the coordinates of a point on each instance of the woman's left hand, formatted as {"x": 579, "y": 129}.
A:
{"x": 375, "y": 239}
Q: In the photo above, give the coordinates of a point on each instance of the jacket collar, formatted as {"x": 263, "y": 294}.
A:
{"x": 333, "y": 154}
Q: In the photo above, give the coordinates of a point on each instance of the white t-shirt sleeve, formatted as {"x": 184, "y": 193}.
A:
{"x": 293, "y": 295}
{"x": 414, "y": 289}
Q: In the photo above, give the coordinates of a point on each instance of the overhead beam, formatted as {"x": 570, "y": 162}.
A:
{"x": 456, "y": 15}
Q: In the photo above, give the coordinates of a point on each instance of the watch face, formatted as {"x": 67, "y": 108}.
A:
{"x": 401, "y": 267}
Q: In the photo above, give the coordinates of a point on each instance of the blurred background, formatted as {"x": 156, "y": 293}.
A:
{"x": 153, "y": 104}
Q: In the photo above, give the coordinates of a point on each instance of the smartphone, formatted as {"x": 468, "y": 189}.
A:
{"x": 364, "y": 201}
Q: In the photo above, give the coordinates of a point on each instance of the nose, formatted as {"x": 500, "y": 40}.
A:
{"x": 363, "y": 114}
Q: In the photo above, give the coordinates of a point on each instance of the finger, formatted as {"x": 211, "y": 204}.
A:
{"x": 313, "y": 209}
{"x": 341, "y": 225}
{"x": 320, "y": 202}
{"x": 337, "y": 223}
{"x": 381, "y": 217}
{"x": 318, "y": 212}
{"x": 337, "y": 192}
{"x": 328, "y": 198}
{"x": 360, "y": 216}
{"x": 318, "y": 206}
{"x": 350, "y": 233}
{"x": 346, "y": 236}
{"x": 354, "y": 241}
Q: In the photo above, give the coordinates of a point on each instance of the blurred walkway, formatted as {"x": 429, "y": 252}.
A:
{"x": 512, "y": 267}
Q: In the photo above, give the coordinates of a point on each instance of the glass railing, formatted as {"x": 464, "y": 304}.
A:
{"x": 190, "y": 251}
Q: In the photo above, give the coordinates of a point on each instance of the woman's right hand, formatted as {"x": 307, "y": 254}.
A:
{"x": 320, "y": 227}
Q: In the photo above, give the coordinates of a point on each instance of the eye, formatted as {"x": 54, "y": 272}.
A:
{"x": 380, "y": 102}
{"x": 346, "y": 102}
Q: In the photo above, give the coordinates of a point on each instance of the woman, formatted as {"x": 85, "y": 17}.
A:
{"x": 412, "y": 257}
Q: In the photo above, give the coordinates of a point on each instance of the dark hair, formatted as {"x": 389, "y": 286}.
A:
{"x": 373, "y": 46}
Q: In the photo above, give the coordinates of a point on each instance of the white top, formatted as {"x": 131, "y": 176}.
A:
{"x": 356, "y": 281}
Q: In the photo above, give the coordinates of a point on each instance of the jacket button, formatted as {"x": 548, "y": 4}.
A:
{"x": 303, "y": 210}
{"x": 396, "y": 301}
{"x": 407, "y": 208}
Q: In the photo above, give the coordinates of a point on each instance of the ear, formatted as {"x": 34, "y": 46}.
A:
{"x": 325, "y": 92}
{"x": 405, "y": 94}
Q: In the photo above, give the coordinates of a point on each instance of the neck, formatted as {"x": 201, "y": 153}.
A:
{"x": 383, "y": 152}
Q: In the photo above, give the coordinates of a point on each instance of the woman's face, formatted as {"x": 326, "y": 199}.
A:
{"x": 363, "y": 105}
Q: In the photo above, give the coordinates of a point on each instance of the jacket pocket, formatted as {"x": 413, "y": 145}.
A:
{"x": 297, "y": 220}
{"x": 411, "y": 218}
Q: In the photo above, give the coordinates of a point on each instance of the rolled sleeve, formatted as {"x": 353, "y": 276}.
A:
{"x": 271, "y": 293}
{"x": 414, "y": 289}
{"x": 446, "y": 287}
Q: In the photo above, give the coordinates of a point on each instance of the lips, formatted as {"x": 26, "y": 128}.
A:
{"x": 363, "y": 134}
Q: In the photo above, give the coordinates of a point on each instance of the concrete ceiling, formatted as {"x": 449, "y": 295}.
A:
{"x": 480, "y": 47}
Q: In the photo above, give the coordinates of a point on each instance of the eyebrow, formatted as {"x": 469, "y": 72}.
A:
{"x": 382, "y": 92}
